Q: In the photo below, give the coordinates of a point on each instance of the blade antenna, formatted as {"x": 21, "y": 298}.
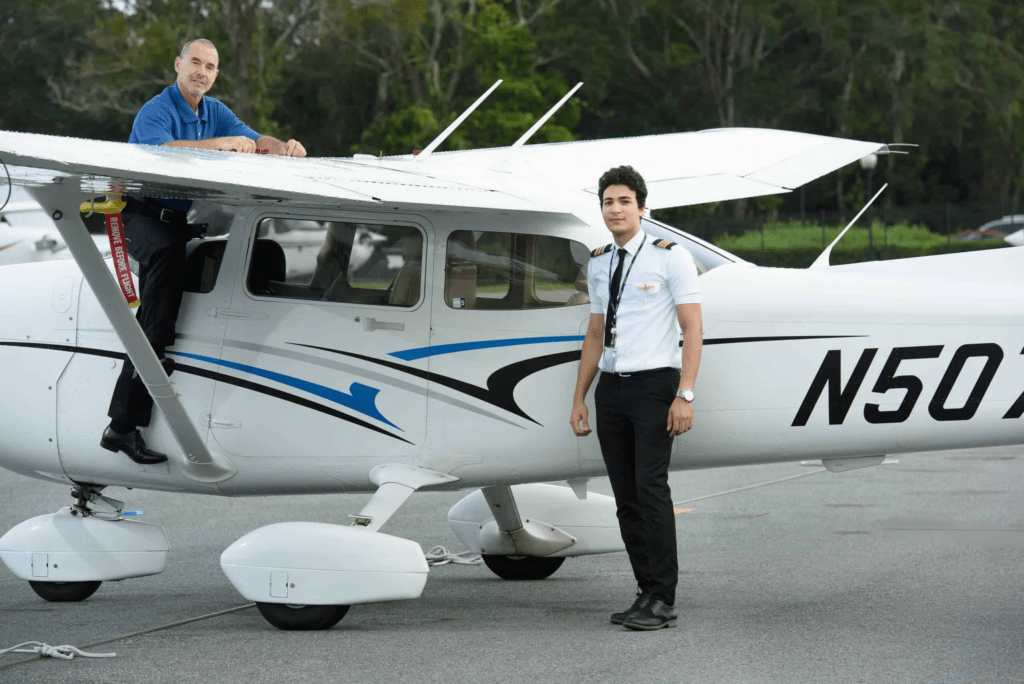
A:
{"x": 455, "y": 124}
{"x": 822, "y": 260}
{"x": 542, "y": 120}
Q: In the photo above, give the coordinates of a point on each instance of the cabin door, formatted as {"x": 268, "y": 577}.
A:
{"x": 309, "y": 378}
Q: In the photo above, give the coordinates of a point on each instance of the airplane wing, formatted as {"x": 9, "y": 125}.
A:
{"x": 680, "y": 169}
{"x": 179, "y": 173}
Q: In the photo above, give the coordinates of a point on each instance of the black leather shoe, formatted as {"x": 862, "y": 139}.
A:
{"x": 641, "y": 601}
{"x": 132, "y": 445}
{"x": 655, "y": 615}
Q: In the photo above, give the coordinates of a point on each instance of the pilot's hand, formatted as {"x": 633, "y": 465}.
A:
{"x": 293, "y": 148}
{"x": 680, "y": 417}
{"x": 237, "y": 143}
{"x": 579, "y": 415}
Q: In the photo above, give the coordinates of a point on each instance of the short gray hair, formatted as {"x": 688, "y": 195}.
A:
{"x": 202, "y": 41}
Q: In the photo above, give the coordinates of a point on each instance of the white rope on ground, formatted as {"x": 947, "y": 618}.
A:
{"x": 47, "y": 651}
{"x": 442, "y": 556}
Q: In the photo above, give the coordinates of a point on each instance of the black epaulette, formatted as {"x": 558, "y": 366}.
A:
{"x": 601, "y": 250}
{"x": 664, "y": 244}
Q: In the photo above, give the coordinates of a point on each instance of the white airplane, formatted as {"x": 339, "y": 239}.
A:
{"x": 27, "y": 233}
{"x": 458, "y": 373}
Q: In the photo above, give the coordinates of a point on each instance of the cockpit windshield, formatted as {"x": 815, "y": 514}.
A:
{"x": 704, "y": 256}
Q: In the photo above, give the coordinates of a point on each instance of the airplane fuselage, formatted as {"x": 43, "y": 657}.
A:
{"x": 307, "y": 396}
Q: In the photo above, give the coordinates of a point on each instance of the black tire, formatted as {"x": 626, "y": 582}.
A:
{"x": 288, "y": 617}
{"x": 523, "y": 567}
{"x": 65, "y": 592}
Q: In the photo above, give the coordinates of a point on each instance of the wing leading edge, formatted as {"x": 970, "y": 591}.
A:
{"x": 680, "y": 169}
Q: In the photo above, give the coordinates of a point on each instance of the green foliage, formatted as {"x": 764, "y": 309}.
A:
{"x": 797, "y": 245}
{"x": 387, "y": 75}
{"x": 490, "y": 47}
{"x": 401, "y": 132}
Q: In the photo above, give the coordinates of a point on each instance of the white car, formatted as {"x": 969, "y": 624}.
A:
{"x": 1011, "y": 228}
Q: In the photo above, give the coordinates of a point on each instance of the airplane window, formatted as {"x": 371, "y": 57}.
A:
{"x": 356, "y": 263}
{"x": 703, "y": 255}
{"x": 487, "y": 270}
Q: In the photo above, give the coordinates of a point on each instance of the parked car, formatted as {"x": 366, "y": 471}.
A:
{"x": 1006, "y": 225}
{"x": 979, "y": 234}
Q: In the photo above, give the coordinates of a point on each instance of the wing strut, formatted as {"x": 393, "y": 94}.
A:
{"x": 455, "y": 124}
{"x": 822, "y": 260}
{"x": 196, "y": 461}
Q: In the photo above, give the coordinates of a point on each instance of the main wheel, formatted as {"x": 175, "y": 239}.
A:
{"x": 523, "y": 567}
{"x": 290, "y": 617}
{"x": 65, "y": 592}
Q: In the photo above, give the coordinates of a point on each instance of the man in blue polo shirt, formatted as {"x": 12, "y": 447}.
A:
{"x": 157, "y": 230}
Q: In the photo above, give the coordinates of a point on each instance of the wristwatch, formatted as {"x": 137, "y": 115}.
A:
{"x": 685, "y": 395}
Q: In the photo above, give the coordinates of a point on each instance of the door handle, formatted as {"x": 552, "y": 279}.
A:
{"x": 371, "y": 324}
{"x": 237, "y": 314}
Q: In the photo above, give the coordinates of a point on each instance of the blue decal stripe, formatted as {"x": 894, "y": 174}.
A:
{"x": 424, "y": 352}
{"x": 362, "y": 398}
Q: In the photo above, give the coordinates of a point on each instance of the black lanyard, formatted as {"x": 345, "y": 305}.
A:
{"x": 614, "y": 299}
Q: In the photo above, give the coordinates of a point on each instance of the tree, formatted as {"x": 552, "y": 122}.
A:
{"x": 132, "y": 55}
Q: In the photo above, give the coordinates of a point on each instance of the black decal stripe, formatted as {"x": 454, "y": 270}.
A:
{"x": 782, "y": 338}
{"x": 501, "y": 384}
{"x": 66, "y": 348}
{"x": 284, "y": 396}
{"x": 214, "y": 375}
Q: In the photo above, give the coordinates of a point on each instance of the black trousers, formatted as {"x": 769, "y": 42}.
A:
{"x": 632, "y": 414}
{"x": 160, "y": 251}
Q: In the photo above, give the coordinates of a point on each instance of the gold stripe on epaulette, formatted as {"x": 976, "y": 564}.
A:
{"x": 664, "y": 244}
{"x": 601, "y": 250}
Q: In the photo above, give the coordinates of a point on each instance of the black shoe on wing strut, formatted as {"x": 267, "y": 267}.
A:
{"x": 132, "y": 445}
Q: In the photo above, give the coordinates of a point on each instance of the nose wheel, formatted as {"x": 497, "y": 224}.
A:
{"x": 289, "y": 617}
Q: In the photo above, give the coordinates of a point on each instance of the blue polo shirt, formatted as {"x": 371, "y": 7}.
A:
{"x": 168, "y": 117}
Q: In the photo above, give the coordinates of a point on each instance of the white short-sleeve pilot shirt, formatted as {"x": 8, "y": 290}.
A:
{"x": 647, "y": 328}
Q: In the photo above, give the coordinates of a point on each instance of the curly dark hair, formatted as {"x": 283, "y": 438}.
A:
{"x": 623, "y": 175}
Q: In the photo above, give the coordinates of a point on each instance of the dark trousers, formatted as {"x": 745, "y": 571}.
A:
{"x": 632, "y": 414}
{"x": 160, "y": 251}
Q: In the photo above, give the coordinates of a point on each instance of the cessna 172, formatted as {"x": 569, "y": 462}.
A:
{"x": 456, "y": 372}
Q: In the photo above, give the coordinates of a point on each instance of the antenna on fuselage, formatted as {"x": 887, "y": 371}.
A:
{"x": 455, "y": 124}
{"x": 542, "y": 120}
{"x": 822, "y": 260}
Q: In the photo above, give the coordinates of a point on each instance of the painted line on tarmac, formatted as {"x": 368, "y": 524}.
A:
{"x": 677, "y": 504}
{"x": 111, "y": 640}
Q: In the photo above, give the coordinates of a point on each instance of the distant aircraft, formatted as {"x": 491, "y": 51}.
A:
{"x": 28, "y": 234}
{"x": 456, "y": 370}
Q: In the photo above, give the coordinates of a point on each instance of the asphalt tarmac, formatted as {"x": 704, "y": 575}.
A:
{"x": 905, "y": 572}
